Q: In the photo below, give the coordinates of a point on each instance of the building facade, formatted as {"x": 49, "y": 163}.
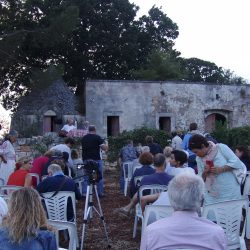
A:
{"x": 115, "y": 106}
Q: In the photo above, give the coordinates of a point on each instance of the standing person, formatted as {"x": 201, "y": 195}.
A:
{"x": 91, "y": 146}
{"x": 155, "y": 148}
{"x": 216, "y": 163}
{"x": 184, "y": 229}
{"x": 8, "y": 155}
{"x": 176, "y": 141}
{"x": 69, "y": 126}
{"x": 21, "y": 176}
{"x": 193, "y": 129}
{"x": 127, "y": 153}
{"x": 25, "y": 225}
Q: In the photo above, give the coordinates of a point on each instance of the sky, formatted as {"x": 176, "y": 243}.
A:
{"x": 213, "y": 30}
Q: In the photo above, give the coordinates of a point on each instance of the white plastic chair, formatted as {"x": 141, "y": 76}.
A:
{"x": 8, "y": 189}
{"x": 152, "y": 189}
{"x": 246, "y": 193}
{"x": 127, "y": 168}
{"x": 66, "y": 225}
{"x": 228, "y": 215}
{"x": 36, "y": 176}
{"x": 57, "y": 205}
{"x": 153, "y": 213}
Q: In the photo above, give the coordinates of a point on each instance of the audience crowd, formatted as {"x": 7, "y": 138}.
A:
{"x": 196, "y": 170}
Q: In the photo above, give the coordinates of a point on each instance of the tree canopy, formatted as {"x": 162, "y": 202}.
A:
{"x": 88, "y": 39}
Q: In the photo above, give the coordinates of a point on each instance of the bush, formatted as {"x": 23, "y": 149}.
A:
{"x": 138, "y": 136}
{"x": 232, "y": 137}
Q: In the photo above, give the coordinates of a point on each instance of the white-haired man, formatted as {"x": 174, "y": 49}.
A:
{"x": 184, "y": 229}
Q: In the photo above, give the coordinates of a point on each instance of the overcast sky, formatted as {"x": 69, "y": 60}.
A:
{"x": 212, "y": 30}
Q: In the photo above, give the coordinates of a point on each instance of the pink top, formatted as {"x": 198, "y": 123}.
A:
{"x": 184, "y": 229}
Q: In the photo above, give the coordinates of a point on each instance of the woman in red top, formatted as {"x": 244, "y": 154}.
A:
{"x": 21, "y": 175}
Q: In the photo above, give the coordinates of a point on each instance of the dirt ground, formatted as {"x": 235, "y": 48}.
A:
{"x": 119, "y": 227}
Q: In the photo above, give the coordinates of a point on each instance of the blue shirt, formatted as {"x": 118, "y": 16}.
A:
{"x": 156, "y": 178}
{"x": 44, "y": 240}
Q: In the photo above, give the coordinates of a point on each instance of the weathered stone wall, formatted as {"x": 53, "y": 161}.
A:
{"x": 140, "y": 103}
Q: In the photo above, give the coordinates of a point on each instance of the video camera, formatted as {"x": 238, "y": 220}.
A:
{"x": 90, "y": 169}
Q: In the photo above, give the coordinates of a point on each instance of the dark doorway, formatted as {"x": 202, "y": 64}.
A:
{"x": 165, "y": 124}
{"x": 48, "y": 124}
{"x": 212, "y": 119}
{"x": 113, "y": 126}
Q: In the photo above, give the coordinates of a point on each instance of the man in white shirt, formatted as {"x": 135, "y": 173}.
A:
{"x": 69, "y": 126}
{"x": 184, "y": 229}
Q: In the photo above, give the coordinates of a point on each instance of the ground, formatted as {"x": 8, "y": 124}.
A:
{"x": 119, "y": 227}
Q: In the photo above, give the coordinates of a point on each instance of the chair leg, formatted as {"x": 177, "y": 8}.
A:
{"x": 135, "y": 226}
{"x": 125, "y": 187}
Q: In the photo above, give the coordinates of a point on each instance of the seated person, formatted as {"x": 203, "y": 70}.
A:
{"x": 69, "y": 126}
{"x": 21, "y": 176}
{"x": 127, "y": 153}
{"x": 155, "y": 148}
{"x": 146, "y": 160}
{"x": 56, "y": 182}
{"x": 38, "y": 165}
{"x": 178, "y": 159}
{"x": 159, "y": 177}
{"x": 25, "y": 225}
{"x": 184, "y": 229}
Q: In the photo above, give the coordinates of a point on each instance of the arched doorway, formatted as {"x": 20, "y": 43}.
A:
{"x": 49, "y": 121}
{"x": 212, "y": 119}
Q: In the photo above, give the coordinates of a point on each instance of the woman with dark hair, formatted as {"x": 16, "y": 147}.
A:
{"x": 216, "y": 163}
{"x": 25, "y": 225}
{"x": 146, "y": 160}
{"x": 243, "y": 153}
{"x": 8, "y": 155}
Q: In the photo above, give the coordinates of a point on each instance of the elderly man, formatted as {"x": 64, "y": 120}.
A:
{"x": 56, "y": 182}
{"x": 184, "y": 229}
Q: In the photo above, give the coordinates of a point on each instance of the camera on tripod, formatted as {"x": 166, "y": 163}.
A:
{"x": 90, "y": 169}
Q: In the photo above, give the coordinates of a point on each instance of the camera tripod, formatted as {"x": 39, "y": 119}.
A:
{"x": 89, "y": 208}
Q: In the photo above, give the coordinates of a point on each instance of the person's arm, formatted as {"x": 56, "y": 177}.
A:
{"x": 28, "y": 181}
{"x": 148, "y": 199}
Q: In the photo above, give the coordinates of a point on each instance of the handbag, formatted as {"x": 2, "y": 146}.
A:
{"x": 239, "y": 173}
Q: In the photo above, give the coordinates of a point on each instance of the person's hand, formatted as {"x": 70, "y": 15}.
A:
{"x": 206, "y": 169}
{"x": 216, "y": 170}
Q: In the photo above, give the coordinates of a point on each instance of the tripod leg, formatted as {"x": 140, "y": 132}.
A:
{"x": 87, "y": 211}
{"x": 101, "y": 216}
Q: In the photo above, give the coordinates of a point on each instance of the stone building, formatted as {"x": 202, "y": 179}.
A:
{"x": 46, "y": 110}
{"x": 115, "y": 106}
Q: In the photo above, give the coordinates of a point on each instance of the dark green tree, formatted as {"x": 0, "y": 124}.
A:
{"x": 89, "y": 38}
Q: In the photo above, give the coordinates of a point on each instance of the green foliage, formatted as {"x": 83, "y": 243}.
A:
{"x": 160, "y": 66}
{"x": 233, "y": 137}
{"x": 138, "y": 136}
{"x": 29, "y": 131}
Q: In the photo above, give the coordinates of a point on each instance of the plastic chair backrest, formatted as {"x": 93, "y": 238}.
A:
{"x": 228, "y": 215}
{"x": 137, "y": 180}
{"x": 8, "y": 189}
{"x": 36, "y": 177}
{"x": 71, "y": 227}
{"x": 153, "y": 213}
{"x": 127, "y": 169}
{"x": 152, "y": 189}
{"x": 57, "y": 205}
{"x": 136, "y": 166}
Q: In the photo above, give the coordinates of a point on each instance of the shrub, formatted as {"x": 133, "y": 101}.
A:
{"x": 233, "y": 137}
{"x": 138, "y": 136}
